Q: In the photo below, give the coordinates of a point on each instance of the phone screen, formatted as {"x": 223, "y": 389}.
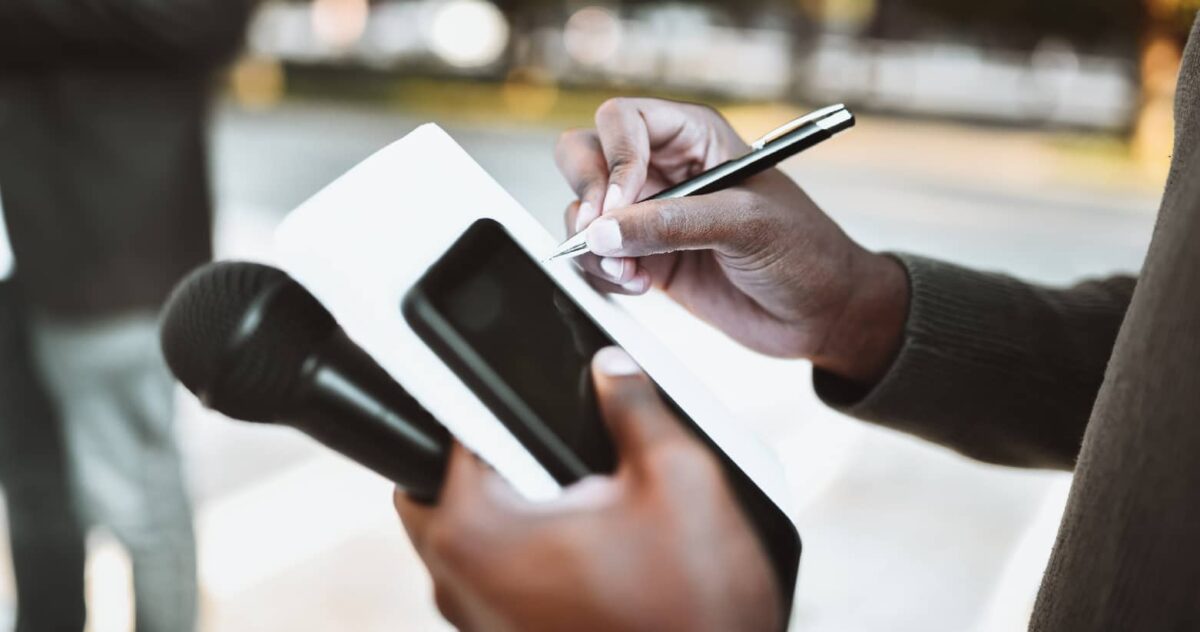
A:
{"x": 525, "y": 349}
{"x": 488, "y": 310}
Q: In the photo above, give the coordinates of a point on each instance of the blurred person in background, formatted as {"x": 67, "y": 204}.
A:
{"x": 44, "y": 530}
{"x": 1099, "y": 378}
{"x": 103, "y": 173}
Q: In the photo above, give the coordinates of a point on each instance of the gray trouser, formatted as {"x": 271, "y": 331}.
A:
{"x": 116, "y": 400}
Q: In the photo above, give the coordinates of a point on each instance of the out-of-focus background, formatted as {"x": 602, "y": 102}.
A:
{"x": 1029, "y": 136}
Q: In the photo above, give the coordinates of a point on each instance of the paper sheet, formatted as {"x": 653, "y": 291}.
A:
{"x": 360, "y": 243}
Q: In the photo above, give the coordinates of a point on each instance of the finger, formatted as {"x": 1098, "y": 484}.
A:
{"x": 415, "y": 516}
{"x": 616, "y": 270}
{"x": 591, "y": 493}
{"x": 632, "y": 408}
{"x": 569, "y": 217}
{"x": 471, "y": 484}
{"x": 640, "y": 284}
{"x": 631, "y": 130}
{"x": 448, "y": 604}
{"x": 470, "y": 495}
{"x": 726, "y": 221}
{"x": 625, "y": 142}
{"x": 580, "y": 158}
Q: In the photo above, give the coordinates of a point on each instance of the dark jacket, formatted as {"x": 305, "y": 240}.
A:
{"x": 103, "y": 165}
{"x": 1102, "y": 377}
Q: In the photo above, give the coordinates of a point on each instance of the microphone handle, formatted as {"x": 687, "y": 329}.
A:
{"x": 353, "y": 406}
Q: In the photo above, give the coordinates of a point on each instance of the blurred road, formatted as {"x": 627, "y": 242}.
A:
{"x": 898, "y": 535}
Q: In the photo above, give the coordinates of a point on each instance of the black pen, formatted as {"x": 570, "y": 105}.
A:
{"x": 777, "y": 145}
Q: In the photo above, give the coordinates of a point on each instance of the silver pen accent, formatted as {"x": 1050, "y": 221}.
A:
{"x": 573, "y": 247}
{"x": 796, "y": 124}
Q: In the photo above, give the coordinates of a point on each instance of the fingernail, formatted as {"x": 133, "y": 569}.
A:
{"x": 587, "y": 213}
{"x": 613, "y": 267}
{"x": 604, "y": 236}
{"x": 591, "y": 492}
{"x": 637, "y": 285}
{"x": 615, "y": 362}
{"x": 612, "y": 199}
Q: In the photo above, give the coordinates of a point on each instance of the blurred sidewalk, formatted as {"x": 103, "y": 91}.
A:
{"x": 898, "y": 535}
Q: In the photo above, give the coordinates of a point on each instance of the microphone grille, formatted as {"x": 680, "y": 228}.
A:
{"x": 236, "y": 333}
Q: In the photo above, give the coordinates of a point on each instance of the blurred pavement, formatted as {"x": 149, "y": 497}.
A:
{"x": 898, "y": 535}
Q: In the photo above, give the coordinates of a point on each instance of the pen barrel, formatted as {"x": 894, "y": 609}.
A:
{"x": 731, "y": 172}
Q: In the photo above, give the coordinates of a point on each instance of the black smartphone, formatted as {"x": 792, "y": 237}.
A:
{"x": 524, "y": 347}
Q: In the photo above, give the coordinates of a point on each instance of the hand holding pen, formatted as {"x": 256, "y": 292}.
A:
{"x": 772, "y": 148}
{"x": 759, "y": 260}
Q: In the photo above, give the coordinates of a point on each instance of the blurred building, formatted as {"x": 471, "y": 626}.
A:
{"x": 1066, "y": 63}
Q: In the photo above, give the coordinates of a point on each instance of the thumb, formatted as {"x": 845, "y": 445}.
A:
{"x": 635, "y": 413}
{"x": 723, "y": 221}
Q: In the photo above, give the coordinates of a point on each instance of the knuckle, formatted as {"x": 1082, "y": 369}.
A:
{"x": 668, "y": 223}
{"x": 750, "y": 225}
{"x": 707, "y": 111}
{"x": 708, "y": 115}
{"x": 620, "y": 161}
{"x": 572, "y": 141}
{"x": 685, "y": 462}
{"x": 593, "y": 189}
{"x": 568, "y": 136}
{"x": 611, "y": 107}
{"x": 743, "y": 200}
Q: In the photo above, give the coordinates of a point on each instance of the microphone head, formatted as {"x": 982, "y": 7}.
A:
{"x": 237, "y": 335}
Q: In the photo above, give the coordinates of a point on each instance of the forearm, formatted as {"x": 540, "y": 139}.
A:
{"x": 997, "y": 369}
{"x": 174, "y": 33}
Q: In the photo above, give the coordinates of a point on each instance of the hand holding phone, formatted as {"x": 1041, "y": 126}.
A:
{"x": 611, "y": 553}
{"x": 524, "y": 348}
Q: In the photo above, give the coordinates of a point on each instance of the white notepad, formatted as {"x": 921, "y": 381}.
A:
{"x": 365, "y": 239}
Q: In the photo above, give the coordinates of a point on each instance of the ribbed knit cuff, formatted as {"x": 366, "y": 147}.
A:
{"x": 956, "y": 321}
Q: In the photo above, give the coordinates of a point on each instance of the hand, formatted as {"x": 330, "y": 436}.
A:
{"x": 759, "y": 261}
{"x": 659, "y": 545}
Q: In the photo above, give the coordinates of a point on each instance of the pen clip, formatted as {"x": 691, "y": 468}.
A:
{"x": 795, "y": 124}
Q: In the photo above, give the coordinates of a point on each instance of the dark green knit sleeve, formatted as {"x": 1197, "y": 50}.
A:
{"x": 997, "y": 369}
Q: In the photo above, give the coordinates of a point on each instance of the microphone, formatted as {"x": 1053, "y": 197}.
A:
{"x": 251, "y": 343}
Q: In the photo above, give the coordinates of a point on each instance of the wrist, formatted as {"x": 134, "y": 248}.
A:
{"x": 861, "y": 343}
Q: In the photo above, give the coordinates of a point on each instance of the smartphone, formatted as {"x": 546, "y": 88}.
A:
{"x": 524, "y": 348}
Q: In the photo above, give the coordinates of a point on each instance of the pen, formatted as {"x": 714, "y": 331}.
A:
{"x": 775, "y": 146}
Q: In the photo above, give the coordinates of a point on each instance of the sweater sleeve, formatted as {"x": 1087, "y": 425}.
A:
{"x": 997, "y": 369}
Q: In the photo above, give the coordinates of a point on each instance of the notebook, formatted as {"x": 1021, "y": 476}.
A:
{"x": 360, "y": 243}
